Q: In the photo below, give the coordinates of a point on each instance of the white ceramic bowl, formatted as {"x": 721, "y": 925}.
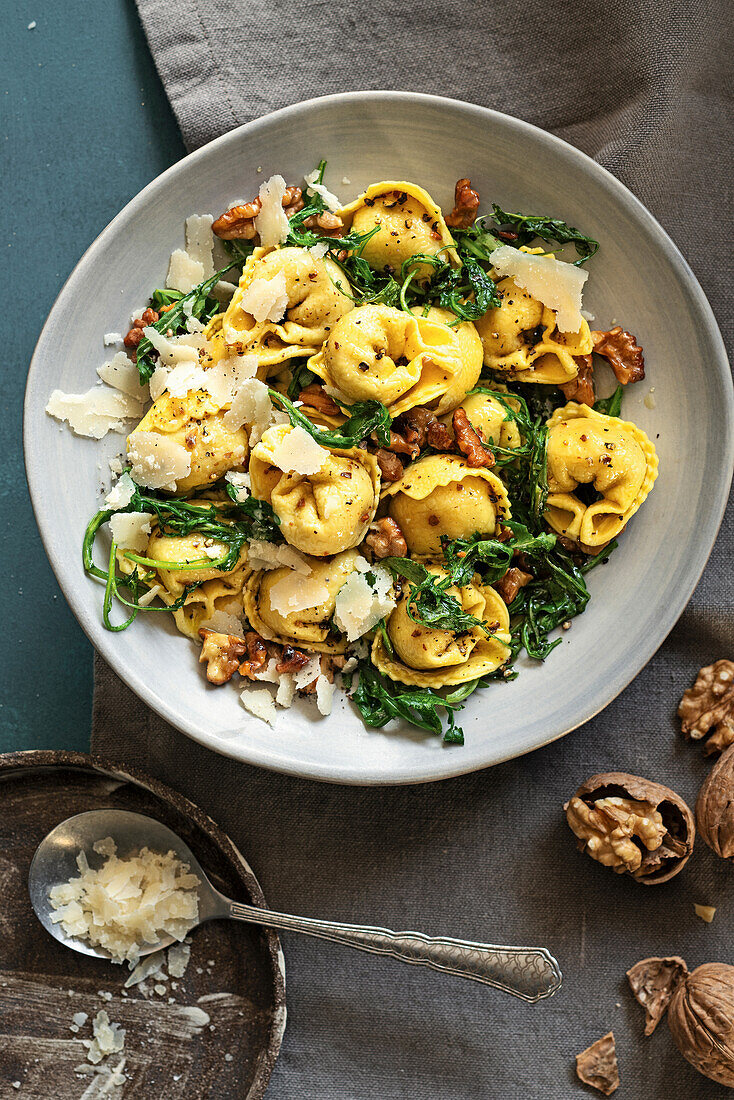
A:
{"x": 638, "y": 276}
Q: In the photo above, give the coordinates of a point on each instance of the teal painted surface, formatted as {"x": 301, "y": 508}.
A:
{"x": 85, "y": 124}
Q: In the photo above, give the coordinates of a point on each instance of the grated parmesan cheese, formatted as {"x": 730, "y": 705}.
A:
{"x": 251, "y": 405}
{"x": 266, "y": 299}
{"x": 184, "y": 273}
{"x": 270, "y": 555}
{"x": 127, "y": 903}
{"x": 121, "y": 493}
{"x": 95, "y": 413}
{"x": 330, "y": 199}
{"x": 123, "y": 375}
{"x": 359, "y": 606}
{"x": 179, "y": 955}
{"x": 108, "y": 1038}
{"x": 556, "y": 284}
{"x": 200, "y": 242}
{"x": 259, "y": 702}
{"x": 271, "y": 223}
{"x": 296, "y": 451}
{"x": 294, "y": 592}
{"x": 157, "y": 461}
{"x": 130, "y": 530}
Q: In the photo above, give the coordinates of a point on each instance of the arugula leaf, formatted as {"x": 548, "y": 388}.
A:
{"x": 612, "y": 405}
{"x": 530, "y": 226}
{"x": 301, "y": 377}
{"x": 467, "y": 291}
{"x": 464, "y": 556}
{"x": 364, "y": 417}
{"x": 379, "y": 700}
{"x": 429, "y": 603}
{"x": 175, "y": 319}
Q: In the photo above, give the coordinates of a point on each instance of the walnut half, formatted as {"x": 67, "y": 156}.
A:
{"x": 222, "y": 654}
{"x": 633, "y": 825}
{"x": 707, "y": 709}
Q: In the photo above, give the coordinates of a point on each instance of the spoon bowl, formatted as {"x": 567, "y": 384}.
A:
{"x": 530, "y": 973}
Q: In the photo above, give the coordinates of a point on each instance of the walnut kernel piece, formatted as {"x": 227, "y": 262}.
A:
{"x": 292, "y": 660}
{"x": 386, "y": 539}
{"x": 581, "y": 388}
{"x": 653, "y": 982}
{"x": 715, "y": 806}
{"x": 329, "y": 224}
{"x": 622, "y": 352}
{"x": 701, "y": 1021}
{"x": 466, "y": 204}
{"x": 316, "y": 397}
{"x": 469, "y": 442}
{"x": 705, "y": 912}
{"x": 632, "y": 825}
{"x": 222, "y": 654}
{"x": 238, "y": 223}
{"x": 509, "y": 585}
{"x": 391, "y": 468}
{"x": 708, "y": 707}
{"x": 597, "y": 1065}
{"x": 257, "y": 655}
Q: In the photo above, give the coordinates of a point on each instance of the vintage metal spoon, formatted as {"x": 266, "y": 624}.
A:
{"x": 530, "y": 973}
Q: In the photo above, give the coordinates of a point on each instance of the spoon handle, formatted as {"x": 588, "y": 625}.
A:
{"x": 530, "y": 973}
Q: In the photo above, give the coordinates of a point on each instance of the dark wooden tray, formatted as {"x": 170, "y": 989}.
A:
{"x": 236, "y": 973}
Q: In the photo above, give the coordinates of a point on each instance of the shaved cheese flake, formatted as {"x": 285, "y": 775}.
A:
{"x": 330, "y": 200}
{"x": 147, "y": 598}
{"x": 270, "y": 555}
{"x": 318, "y": 250}
{"x": 266, "y": 299}
{"x": 184, "y": 378}
{"x": 223, "y": 623}
{"x": 178, "y": 959}
{"x": 271, "y": 223}
{"x": 310, "y": 672}
{"x": 158, "y": 382}
{"x": 108, "y": 1038}
{"x": 94, "y": 413}
{"x": 158, "y": 462}
{"x": 175, "y": 349}
{"x": 556, "y": 284}
{"x": 250, "y": 405}
{"x": 200, "y": 242}
{"x": 298, "y": 452}
{"x": 224, "y": 379}
{"x": 286, "y": 690}
{"x": 259, "y": 702}
{"x": 241, "y": 483}
{"x": 112, "y": 338}
{"x": 294, "y": 592}
{"x": 324, "y": 695}
{"x": 130, "y": 530}
{"x": 359, "y": 606}
{"x": 121, "y": 493}
{"x": 184, "y": 273}
{"x": 123, "y": 375}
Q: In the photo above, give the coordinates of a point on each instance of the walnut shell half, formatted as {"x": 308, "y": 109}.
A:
{"x": 597, "y": 1065}
{"x": 633, "y": 825}
{"x": 715, "y": 806}
{"x": 653, "y": 982}
{"x": 701, "y": 1021}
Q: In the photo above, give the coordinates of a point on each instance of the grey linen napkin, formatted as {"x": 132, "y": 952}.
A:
{"x": 646, "y": 89}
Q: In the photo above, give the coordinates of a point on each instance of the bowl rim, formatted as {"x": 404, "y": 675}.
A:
{"x": 444, "y": 766}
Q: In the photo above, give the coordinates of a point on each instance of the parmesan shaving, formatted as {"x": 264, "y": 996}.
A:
{"x": 294, "y": 592}
{"x": 330, "y": 199}
{"x": 297, "y": 452}
{"x": 271, "y": 223}
{"x": 153, "y": 593}
{"x": 324, "y": 695}
{"x": 306, "y": 675}
{"x": 224, "y": 379}
{"x": 130, "y": 530}
{"x": 318, "y": 250}
{"x": 184, "y": 378}
{"x": 224, "y": 623}
{"x": 158, "y": 382}
{"x": 123, "y": 375}
{"x": 127, "y": 903}
{"x": 286, "y": 690}
{"x": 259, "y": 702}
{"x": 359, "y": 606}
{"x": 108, "y": 1038}
{"x": 556, "y": 284}
{"x": 200, "y": 242}
{"x": 266, "y": 299}
{"x": 184, "y": 273}
{"x": 121, "y": 493}
{"x": 95, "y": 413}
{"x": 250, "y": 405}
{"x": 157, "y": 461}
{"x": 270, "y": 555}
{"x": 241, "y": 483}
{"x": 175, "y": 349}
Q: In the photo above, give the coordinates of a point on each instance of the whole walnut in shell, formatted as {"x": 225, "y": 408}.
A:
{"x": 633, "y": 825}
{"x": 701, "y": 1021}
{"x": 715, "y": 806}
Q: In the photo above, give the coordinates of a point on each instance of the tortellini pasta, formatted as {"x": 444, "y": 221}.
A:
{"x": 442, "y": 495}
{"x": 426, "y": 657}
{"x": 313, "y": 293}
{"x": 321, "y": 513}
{"x": 197, "y": 423}
{"x": 311, "y": 626}
{"x": 489, "y": 419}
{"x": 613, "y": 456}
{"x": 408, "y": 222}
{"x": 520, "y": 339}
{"x": 383, "y": 354}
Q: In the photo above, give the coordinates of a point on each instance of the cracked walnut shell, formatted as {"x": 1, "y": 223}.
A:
{"x": 653, "y": 982}
{"x": 701, "y": 1021}
{"x": 633, "y": 825}
{"x": 597, "y": 1065}
{"x": 715, "y": 806}
{"x": 708, "y": 707}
